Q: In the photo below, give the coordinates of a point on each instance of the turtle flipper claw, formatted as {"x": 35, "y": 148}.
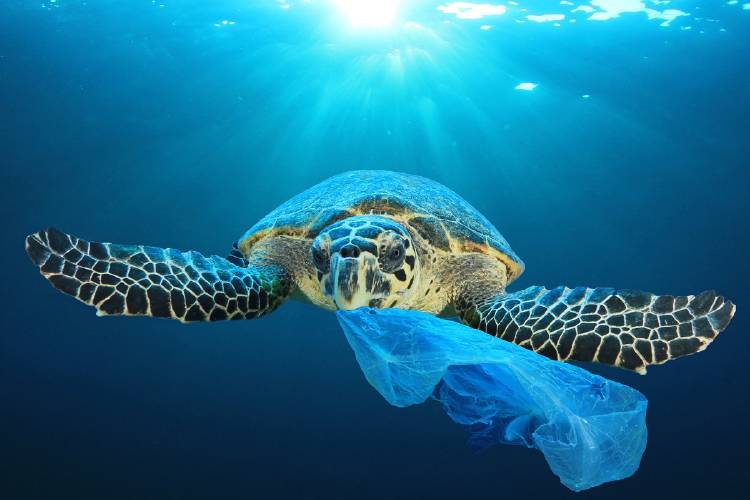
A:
{"x": 36, "y": 248}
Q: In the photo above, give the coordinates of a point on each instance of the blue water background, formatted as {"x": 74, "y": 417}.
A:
{"x": 129, "y": 122}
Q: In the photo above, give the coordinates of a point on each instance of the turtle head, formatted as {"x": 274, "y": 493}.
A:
{"x": 365, "y": 260}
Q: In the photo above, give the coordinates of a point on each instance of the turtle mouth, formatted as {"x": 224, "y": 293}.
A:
{"x": 353, "y": 281}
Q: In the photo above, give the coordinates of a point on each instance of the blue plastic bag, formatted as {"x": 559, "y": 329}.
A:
{"x": 591, "y": 430}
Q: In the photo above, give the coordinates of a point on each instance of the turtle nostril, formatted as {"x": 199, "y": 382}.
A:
{"x": 350, "y": 251}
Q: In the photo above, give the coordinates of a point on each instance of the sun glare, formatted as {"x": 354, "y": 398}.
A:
{"x": 369, "y": 13}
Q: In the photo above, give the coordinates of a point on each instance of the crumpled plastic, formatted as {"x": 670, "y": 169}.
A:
{"x": 591, "y": 430}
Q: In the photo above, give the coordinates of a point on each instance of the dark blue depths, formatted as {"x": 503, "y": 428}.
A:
{"x": 127, "y": 122}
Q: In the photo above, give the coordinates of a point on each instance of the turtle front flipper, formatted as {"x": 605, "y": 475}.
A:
{"x": 139, "y": 280}
{"x": 622, "y": 328}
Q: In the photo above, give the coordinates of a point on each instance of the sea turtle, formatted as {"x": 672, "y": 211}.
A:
{"x": 382, "y": 239}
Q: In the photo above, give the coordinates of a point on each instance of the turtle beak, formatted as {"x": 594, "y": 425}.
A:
{"x": 350, "y": 280}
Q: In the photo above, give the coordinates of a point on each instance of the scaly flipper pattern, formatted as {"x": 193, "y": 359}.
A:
{"x": 139, "y": 280}
{"x": 623, "y": 328}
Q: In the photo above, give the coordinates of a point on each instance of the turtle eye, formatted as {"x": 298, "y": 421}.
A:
{"x": 320, "y": 257}
{"x": 392, "y": 255}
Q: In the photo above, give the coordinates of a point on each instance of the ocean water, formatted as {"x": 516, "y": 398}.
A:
{"x": 181, "y": 123}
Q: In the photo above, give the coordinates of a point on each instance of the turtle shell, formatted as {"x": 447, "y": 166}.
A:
{"x": 442, "y": 217}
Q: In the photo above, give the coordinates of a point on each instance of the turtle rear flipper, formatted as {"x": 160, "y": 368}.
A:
{"x": 138, "y": 280}
{"x": 622, "y": 328}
